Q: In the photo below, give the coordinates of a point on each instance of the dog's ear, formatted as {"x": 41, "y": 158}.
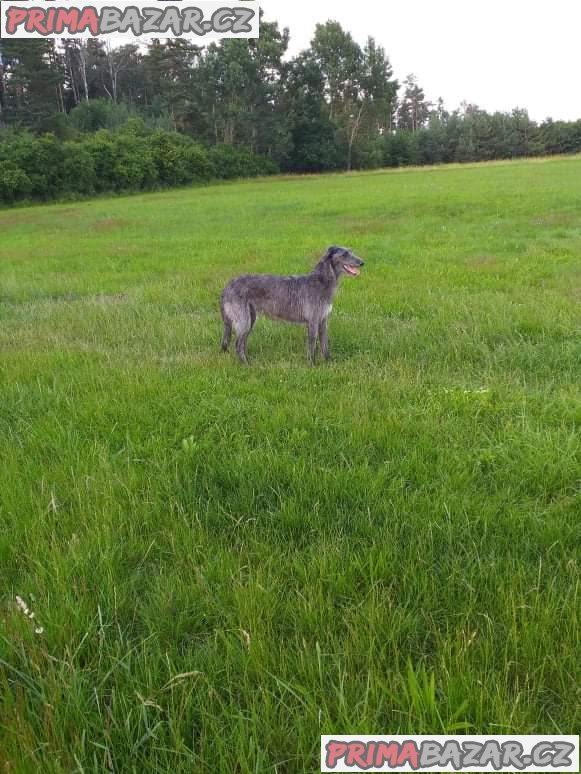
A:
{"x": 330, "y": 252}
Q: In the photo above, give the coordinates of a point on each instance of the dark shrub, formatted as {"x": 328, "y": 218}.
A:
{"x": 97, "y": 114}
{"x": 134, "y": 167}
{"x": 78, "y": 168}
{"x": 229, "y": 163}
{"x": 40, "y": 159}
{"x": 179, "y": 160}
{"x": 101, "y": 149}
{"x": 14, "y": 183}
{"x": 130, "y": 159}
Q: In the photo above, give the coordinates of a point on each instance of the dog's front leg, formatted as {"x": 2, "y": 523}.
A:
{"x": 312, "y": 342}
{"x": 324, "y": 339}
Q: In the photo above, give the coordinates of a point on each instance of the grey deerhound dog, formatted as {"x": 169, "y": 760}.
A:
{"x": 305, "y": 299}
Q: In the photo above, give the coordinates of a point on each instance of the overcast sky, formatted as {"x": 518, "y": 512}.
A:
{"x": 498, "y": 54}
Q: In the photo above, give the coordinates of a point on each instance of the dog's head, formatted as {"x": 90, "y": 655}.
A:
{"x": 343, "y": 261}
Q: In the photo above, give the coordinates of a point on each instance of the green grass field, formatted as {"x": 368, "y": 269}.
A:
{"x": 228, "y": 562}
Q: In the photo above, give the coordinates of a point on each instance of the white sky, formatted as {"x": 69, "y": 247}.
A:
{"x": 499, "y": 54}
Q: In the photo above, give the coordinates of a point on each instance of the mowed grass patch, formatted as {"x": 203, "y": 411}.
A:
{"x": 228, "y": 562}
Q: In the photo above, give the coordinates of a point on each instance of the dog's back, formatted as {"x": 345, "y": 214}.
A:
{"x": 282, "y": 298}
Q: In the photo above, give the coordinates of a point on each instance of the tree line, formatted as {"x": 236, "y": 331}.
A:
{"x": 334, "y": 106}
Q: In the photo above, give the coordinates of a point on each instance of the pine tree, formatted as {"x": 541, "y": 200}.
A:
{"x": 32, "y": 81}
{"x": 413, "y": 110}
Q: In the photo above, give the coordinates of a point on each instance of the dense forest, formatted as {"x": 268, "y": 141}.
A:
{"x": 80, "y": 117}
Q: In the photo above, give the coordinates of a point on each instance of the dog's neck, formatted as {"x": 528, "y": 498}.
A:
{"x": 326, "y": 270}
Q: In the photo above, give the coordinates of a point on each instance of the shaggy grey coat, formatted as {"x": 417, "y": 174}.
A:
{"x": 304, "y": 299}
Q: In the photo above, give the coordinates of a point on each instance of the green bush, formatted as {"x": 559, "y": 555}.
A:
{"x": 39, "y": 159}
{"x": 400, "y": 149}
{"x": 134, "y": 168}
{"x": 179, "y": 160}
{"x": 197, "y": 163}
{"x": 14, "y": 183}
{"x": 102, "y": 152}
{"x": 79, "y": 168}
{"x": 98, "y": 114}
{"x": 132, "y": 158}
{"x": 368, "y": 155}
{"x": 229, "y": 163}
{"x": 123, "y": 161}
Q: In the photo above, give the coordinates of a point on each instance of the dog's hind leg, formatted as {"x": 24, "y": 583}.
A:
{"x": 226, "y": 310}
{"x": 227, "y": 334}
{"x": 243, "y": 323}
{"x": 241, "y": 346}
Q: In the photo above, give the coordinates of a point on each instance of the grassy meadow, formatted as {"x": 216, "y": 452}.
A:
{"x": 227, "y": 562}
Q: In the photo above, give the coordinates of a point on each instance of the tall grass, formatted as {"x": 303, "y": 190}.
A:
{"x": 228, "y": 562}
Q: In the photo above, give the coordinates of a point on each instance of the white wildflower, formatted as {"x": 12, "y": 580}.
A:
{"x": 21, "y": 605}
